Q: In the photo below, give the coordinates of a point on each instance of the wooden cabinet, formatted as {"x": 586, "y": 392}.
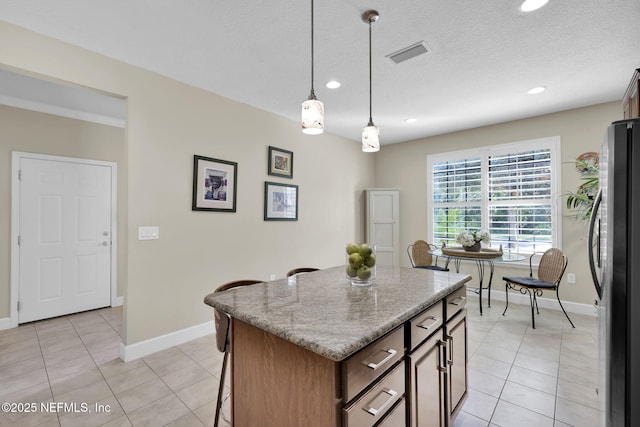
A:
{"x": 373, "y": 405}
{"x": 382, "y": 223}
{"x": 631, "y": 100}
{"x": 427, "y": 378}
{"x": 437, "y": 379}
{"x": 415, "y": 375}
{"x": 362, "y": 369}
{"x": 455, "y": 334}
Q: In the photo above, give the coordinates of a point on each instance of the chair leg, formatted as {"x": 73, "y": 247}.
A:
{"x": 536, "y": 301}
{"x": 219, "y": 402}
{"x": 563, "y": 310}
{"x": 531, "y": 300}
{"x": 506, "y": 295}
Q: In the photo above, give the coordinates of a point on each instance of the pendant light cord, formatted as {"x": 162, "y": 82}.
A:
{"x": 312, "y": 95}
{"x": 370, "y": 78}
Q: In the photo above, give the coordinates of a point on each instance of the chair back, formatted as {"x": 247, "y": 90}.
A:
{"x": 552, "y": 266}
{"x": 222, "y": 319}
{"x": 419, "y": 254}
{"x": 300, "y": 270}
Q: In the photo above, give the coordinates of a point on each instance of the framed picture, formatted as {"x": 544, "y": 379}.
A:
{"x": 280, "y": 162}
{"x": 214, "y": 184}
{"x": 280, "y": 202}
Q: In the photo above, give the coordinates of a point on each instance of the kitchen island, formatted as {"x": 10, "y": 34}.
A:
{"x": 307, "y": 350}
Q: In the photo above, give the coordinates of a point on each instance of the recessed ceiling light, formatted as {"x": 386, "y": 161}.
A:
{"x": 410, "y": 121}
{"x": 531, "y": 5}
{"x": 333, "y": 84}
{"x": 536, "y": 90}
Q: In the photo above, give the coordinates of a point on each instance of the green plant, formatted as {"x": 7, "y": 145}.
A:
{"x": 582, "y": 200}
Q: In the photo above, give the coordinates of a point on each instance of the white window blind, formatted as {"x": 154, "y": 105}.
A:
{"x": 511, "y": 190}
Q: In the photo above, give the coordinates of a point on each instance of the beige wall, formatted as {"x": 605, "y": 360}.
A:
{"x": 404, "y": 166}
{"x": 167, "y": 123}
{"x": 28, "y": 131}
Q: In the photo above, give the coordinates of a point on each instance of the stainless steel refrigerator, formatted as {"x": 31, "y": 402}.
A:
{"x": 614, "y": 252}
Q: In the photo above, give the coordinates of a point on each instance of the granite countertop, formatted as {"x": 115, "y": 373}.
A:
{"x": 322, "y": 312}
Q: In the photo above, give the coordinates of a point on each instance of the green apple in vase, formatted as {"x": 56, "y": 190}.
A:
{"x": 361, "y": 259}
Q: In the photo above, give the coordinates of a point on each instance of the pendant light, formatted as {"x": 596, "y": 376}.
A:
{"x": 312, "y": 109}
{"x": 371, "y": 133}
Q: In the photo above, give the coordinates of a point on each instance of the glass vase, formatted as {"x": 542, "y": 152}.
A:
{"x": 360, "y": 264}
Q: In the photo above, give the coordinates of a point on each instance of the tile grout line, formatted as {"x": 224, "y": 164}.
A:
{"x": 46, "y": 370}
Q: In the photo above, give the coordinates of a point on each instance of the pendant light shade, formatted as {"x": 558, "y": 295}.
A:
{"x": 370, "y": 139}
{"x": 312, "y": 116}
{"x": 312, "y": 109}
{"x": 371, "y": 133}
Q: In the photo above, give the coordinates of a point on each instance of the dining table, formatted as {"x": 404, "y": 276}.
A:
{"x": 486, "y": 256}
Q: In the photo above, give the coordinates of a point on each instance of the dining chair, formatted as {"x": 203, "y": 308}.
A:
{"x": 421, "y": 258}
{"x": 550, "y": 271}
{"x": 222, "y": 323}
{"x": 300, "y": 270}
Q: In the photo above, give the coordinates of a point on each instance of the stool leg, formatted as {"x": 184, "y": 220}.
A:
{"x": 221, "y": 389}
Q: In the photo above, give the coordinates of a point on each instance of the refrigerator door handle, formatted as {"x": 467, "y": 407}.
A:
{"x": 593, "y": 223}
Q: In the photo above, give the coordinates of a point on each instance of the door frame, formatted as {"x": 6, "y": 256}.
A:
{"x": 16, "y": 156}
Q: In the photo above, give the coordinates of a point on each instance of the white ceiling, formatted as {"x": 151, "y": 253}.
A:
{"x": 484, "y": 55}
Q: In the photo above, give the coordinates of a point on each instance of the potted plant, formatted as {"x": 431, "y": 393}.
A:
{"x": 470, "y": 239}
{"x": 582, "y": 200}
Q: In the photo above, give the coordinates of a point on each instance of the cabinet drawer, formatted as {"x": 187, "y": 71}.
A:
{"x": 456, "y": 302}
{"x": 425, "y": 324}
{"x": 373, "y": 405}
{"x": 371, "y": 362}
{"x": 397, "y": 417}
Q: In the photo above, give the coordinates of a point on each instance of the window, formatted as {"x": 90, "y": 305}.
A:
{"x": 511, "y": 190}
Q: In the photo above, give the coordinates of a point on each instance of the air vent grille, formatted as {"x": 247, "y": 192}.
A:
{"x": 407, "y": 53}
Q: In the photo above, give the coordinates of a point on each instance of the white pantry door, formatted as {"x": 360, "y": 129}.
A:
{"x": 383, "y": 225}
{"x": 64, "y": 238}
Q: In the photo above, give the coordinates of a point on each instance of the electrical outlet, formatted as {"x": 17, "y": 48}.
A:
{"x": 571, "y": 278}
{"x": 272, "y": 277}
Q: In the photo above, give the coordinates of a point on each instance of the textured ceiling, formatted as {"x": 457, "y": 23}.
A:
{"x": 484, "y": 55}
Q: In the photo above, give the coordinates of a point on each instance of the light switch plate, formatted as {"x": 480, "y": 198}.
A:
{"x": 148, "y": 233}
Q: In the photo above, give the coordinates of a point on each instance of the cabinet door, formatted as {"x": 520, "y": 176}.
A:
{"x": 456, "y": 335}
{"x": 427, "y": 378}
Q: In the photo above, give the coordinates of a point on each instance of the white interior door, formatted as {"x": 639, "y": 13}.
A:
{"x": 64, "y": 238}
{"x": 383, "y": 225}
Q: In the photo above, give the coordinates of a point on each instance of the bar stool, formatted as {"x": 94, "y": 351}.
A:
{"x": 223, "y": 321}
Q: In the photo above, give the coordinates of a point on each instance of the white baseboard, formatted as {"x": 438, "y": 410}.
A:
{"x": 118, "y": 302}
{"x": 5, "y": 323}
{"x": 549, "y": 303}
{"x": 162, "y": 342}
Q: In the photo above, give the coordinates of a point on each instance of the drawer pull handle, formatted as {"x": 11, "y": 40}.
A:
{"x": 434, "y": 321}
{"x": 375, "y": 411}
{"x": 375, "y": 366}
{"x": 458, "y": 301}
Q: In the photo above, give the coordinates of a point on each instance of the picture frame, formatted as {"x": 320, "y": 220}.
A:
{"x": 214, "y": 184}
{"x": 280, "y": 162}
{"x": 280, "y": 202}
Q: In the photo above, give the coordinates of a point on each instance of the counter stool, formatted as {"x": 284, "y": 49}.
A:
{"x": 222, "y": 321}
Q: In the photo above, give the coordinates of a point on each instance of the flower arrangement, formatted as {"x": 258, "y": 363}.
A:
{"x": 469, "y": 238}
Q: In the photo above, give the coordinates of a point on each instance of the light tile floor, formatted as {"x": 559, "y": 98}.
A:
{"x": 517, "y": 376}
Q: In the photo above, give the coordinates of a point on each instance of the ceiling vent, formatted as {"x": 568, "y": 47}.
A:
{"x": 409, "y": 52}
